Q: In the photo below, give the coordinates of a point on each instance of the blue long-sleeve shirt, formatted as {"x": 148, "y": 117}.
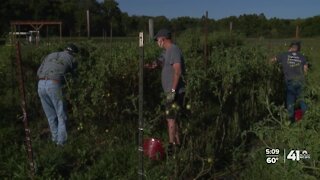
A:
{"x": 56, "y": 65}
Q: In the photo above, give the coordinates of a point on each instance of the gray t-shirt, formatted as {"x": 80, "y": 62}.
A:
{"x": 169, "y": 57}
{"x": 293, "y": 65}
{"x": 56, "y": 65}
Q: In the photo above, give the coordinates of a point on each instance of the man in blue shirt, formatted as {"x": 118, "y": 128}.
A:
{"x": 294, "y": 67}
{"x": 51, "y": 76}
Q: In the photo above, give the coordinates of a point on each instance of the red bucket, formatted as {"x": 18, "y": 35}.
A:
{"x": 153, "y": 149}
{"x": 298, "y": 115}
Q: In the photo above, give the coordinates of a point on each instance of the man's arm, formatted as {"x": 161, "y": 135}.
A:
{"x": 277, "y": 58}
{"x": 39, "y": 71}
{"x": 305, "y": 68}
{"x": 74, "y": 66}
{"x": 155, "y": 64}
{"x": 176, "y": 75}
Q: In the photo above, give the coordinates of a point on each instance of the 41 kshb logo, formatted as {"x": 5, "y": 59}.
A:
{"x": 296, "y": 155}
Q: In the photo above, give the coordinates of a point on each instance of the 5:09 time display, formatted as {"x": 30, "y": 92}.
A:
{"x": 272, "y": 151}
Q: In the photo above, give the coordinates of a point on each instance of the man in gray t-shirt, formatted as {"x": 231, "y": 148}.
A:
{"x": 172, "y": 57}
{"x": 51, "y": 74}
{"x": 173, "y": 84}
{"x": 294, "y": 66}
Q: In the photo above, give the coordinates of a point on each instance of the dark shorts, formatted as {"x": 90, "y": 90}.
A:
{"x": 174, "y": 108}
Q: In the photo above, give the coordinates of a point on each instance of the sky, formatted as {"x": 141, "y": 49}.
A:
{"x": 217, "y": 9}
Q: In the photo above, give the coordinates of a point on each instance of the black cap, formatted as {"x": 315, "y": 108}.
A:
{"x": 163, "y": 33}
{"x": 297, "y": 44}
{"x": 72, "y": 48}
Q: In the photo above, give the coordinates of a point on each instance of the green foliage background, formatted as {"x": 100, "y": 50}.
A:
{"x": 107, "y": 18}
{"x": 236, "y": 100}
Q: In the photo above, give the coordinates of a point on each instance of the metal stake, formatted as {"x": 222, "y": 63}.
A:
{"x": 140, "y": 149}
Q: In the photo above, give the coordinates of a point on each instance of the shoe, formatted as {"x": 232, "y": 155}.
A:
{"x": 58, "y": 145}
{"x": 172, "y": 149}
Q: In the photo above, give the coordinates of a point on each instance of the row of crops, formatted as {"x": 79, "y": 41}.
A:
{"x": 235, "y": 111}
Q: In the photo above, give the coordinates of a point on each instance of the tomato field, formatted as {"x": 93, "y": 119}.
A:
{"x": 234, "y": 111}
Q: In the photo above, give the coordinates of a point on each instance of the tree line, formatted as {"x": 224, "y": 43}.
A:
{"x": 106, "y": 18}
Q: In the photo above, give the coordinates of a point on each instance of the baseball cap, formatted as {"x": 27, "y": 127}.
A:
{"x": 72, "y": 48}
{"x": 163, "y": 33}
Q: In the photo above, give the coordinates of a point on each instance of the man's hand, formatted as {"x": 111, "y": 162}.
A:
{"x": 170, "y": 96}
{"x": 152, "y": 65}
{"x": 305, "y": 68}
{"x": 274, "y": 59}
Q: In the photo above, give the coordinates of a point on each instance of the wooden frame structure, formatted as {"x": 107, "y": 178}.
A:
{"x": 36, "y": 25}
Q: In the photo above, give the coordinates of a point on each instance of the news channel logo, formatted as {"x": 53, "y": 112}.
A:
{"x": 274, "y": 155}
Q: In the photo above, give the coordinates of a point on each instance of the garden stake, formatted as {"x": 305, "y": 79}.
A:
{"x": 140, "y": 149}
{"x": 24, "y": 109}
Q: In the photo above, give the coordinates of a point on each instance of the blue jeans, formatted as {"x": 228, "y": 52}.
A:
{"x": 53, "y": 104}
{"x": 294, "y": 93}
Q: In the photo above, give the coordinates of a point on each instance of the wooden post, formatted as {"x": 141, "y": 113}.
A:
{"x": 19, "y": 30}
{"x": 88, "y": 24}
{"x": 28, "y": 143}
{"x": 12, "y": 38}
{"x": 47, "y": 35}
{"x": 297, "y": 31}
{"x": 111, "y": 33}
{"x": 37, "y": 37}
{"x": 151, "y": 32}
{"x": 110, "y": 39}
{"x": 103, "y": 36}
{"x": 60, "y": 32}
{"x": 206, "y": 39}
{"x": 230, "y": 27}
